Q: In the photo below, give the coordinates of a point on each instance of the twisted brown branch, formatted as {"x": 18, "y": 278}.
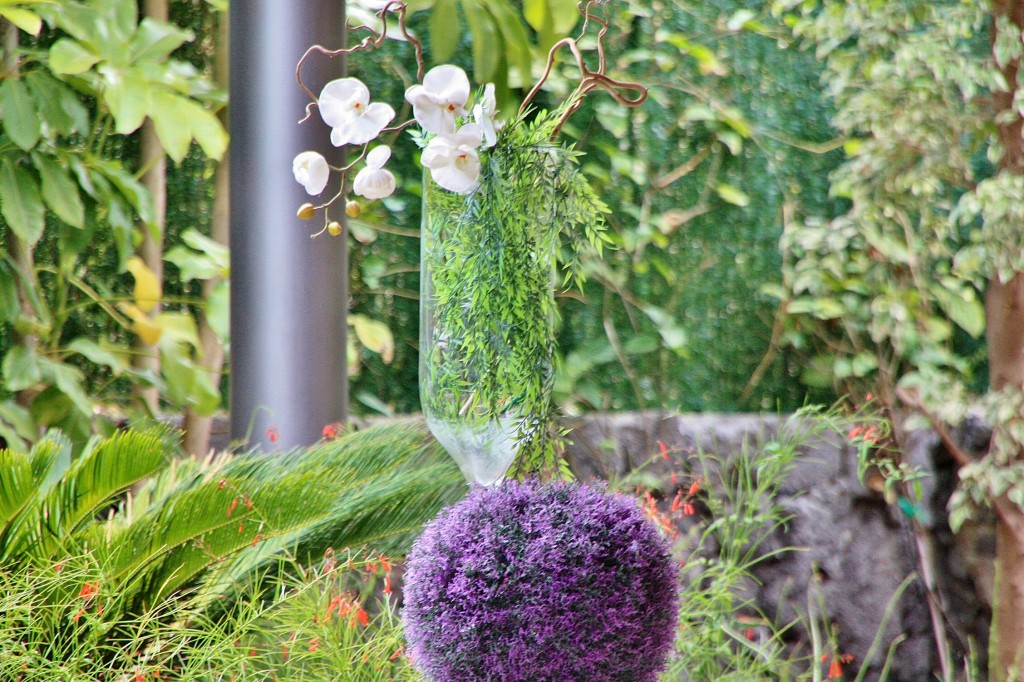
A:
{"x": 372, "y": 41}
{"x": 590, "y": 79}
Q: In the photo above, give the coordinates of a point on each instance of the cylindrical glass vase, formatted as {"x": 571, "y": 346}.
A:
{"x": 487, "y": 312}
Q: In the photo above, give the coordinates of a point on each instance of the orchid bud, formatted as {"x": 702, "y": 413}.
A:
{"x": 353, "y": 209}
{"x": 306, "y": 211}
{"x": 334, "y": 228}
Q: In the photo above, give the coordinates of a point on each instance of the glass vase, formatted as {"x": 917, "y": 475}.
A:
{"x": 487, "y": 312}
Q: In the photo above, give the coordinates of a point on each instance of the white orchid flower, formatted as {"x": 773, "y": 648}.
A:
{"x": 441, "y": 98}
{"x": 374, "y": 181}
{"x": 311, "y": 171}
{"x": 345, "y": 106}
{"x": 453, "y": 160}
{"x": 483, "y": 114}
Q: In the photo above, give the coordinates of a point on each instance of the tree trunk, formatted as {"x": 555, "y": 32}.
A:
{"x": 197, "y": 427}
{"x": 1005, "y": 320}
{"x": 154, "y": 179}
{"x": 1004, "y": 308}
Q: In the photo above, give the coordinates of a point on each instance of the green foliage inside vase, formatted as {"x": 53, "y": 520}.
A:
{"x": 487, "y": 352}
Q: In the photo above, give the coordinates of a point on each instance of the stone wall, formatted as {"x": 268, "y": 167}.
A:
{"x": 850, "y": 545}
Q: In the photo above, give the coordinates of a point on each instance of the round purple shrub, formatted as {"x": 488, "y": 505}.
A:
{"x": 531, "y": 581}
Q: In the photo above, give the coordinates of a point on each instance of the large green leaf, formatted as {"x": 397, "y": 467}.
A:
{"x": 18, "y": 113}
{"x": 156, "y": 40}
{"x": 444, "y": 37}
{"x": 126, "y": 93}
{"x": 68, "y": 56}
{"x": 486, "y": 41}
{"x": 20, "y": 203}
{"x": 59, "y": 106}
{"x": 179, "y": 120}
{"x": 21, "y": 368}
{"x": 9, "y": 307}
{"x": 60, "y": 192}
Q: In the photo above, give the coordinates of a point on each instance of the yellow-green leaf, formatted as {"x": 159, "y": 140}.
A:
{"x": 732, "y": 195}
{"x": 147, "y": 289}
{"x": 29, "y": 22}
{"x": 375, "y": 336}
{"x": 68, "y": 56}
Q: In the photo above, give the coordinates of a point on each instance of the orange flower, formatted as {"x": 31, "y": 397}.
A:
{"x": 694, "y": 487}
{"x": 273, "y": 434}
{"x": 664, "y": 449}
{"x": 89, "y": 590}
{"x": 835, "y": 670}
{"x": 231, "y": 507}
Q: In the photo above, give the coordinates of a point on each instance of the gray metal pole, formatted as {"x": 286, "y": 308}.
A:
{"x": 289, "y": 293}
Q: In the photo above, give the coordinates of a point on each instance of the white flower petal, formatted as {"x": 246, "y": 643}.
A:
{"x": 449, "y": 83}
{"x": 341, "y": 99}
{"x": 456, "y": 180}
{"x": 374, "y": 183}
{"x": 378, "y": 156}
{"x": 311, "y": 171}
{"x": 434, "y": 119}
{"x": 453, "y": 164}
{"x": 440, "y": 98}
{"x": 489, "y": 101}
{"x": 469, "y": 135}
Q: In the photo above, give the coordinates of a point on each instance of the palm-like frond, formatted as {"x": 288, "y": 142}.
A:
{"x": 375, "y": 487}
{"x": 68, "y": 495}
{"x": 209, "y": 527}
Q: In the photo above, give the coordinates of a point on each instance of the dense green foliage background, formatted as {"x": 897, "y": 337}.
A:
{"x": 734, "y": 134}
{"x": 675, "y": 316}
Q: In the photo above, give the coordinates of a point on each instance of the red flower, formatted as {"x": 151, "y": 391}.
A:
{"x": 89, "y": 590}
{"x": 835, "y": 670}
{"x": 664, "y": 449}
{"x": 273, "y": 434}
{"x": 694, "y": 487}
{"x": 331, "y": 431}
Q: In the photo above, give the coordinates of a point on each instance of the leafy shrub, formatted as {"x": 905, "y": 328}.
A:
{"x": 531, "y": 581}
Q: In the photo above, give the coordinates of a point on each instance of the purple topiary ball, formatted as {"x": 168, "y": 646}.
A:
{"x": 531, "y": 581}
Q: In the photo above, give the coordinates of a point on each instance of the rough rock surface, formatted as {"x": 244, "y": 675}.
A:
{"x": 853, "y": 548}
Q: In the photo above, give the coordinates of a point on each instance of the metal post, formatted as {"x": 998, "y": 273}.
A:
{"x": 289, "y": 293}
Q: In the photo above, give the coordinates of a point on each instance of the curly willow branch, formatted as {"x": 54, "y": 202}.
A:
{"x": 590, "y": 79}
{"x": 372, "y": 41}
